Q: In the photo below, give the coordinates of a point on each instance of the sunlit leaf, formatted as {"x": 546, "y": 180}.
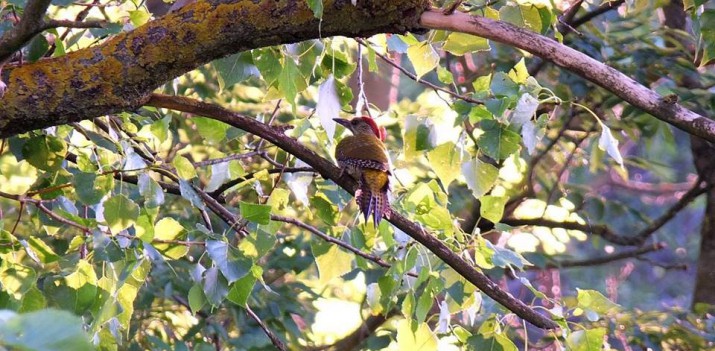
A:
{"x": 45, "y": 152}
{"x": 120, "y": 213}
{"x": 462, "y": 43}
{"x": 610, "y": 144}
{"x": 525, "y": 16}
{"x": 291, "y": 81}
{"x": 423, "y": 57}
{"x": 169, "y": 232}
{"x": 234, "y": 69}
{"x": 480, "y": 176}
{"x": 184, "y": 168}
{"x": 421, "y": 339}
{"x": 445, "y": 161}
{"x": 331, "y": 260}
{"x": 586, "y": 340}
{"x": 328, "y": 105}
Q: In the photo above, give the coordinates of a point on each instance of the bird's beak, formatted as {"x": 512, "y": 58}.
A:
{"x": 343, "y": 122}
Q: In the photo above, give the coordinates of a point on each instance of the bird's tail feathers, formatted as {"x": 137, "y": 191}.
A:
{"x": 372, "y": 203}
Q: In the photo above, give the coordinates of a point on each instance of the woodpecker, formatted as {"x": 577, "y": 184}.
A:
{"x": 363, "y": 156}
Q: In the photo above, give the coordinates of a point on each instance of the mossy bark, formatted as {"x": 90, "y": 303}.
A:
{"x": 119, "y": 74}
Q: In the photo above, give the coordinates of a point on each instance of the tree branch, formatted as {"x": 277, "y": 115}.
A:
{"x": 578, "y": 63}
{"x": 121, "y": 73}
{"x": 332, "y": 172}
{"x": 30, "y": 24}
{"x": 635, "y": 253}
{"x": 605, "y": 232}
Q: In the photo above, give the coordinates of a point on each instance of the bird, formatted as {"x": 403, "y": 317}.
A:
{"x": 363, "y": 156}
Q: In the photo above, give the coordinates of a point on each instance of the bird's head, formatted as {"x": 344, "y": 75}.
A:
{"x": 362, "y": 126}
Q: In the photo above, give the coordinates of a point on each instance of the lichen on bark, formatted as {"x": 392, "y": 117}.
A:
{"x": 120, "y": 73}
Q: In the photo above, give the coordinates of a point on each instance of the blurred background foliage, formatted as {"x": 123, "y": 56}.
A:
{"x": 105, "y": 227}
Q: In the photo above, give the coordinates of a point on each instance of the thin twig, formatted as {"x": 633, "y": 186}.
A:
{"x": 635, "y": 253}
{"x": 226, "y": 159}
{"x": 379, "y": 261}
{"x": 277, "y": 342}
{"x": 418, "y": 80}
{"x": 608, "y": 234}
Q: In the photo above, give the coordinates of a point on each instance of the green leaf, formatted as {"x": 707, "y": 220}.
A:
{"x": 234, "y": 69}
{"x": 144, "y": 226}
{"x": 324, "y": 209}
{"x": 188, "y": 192}
{"x": 231, "y": 262}
{"x": 492, "y": 207}
{"x": 37, "y": 49}
{"x": 139, "y": 17}
{"x": 241, "y": 290}
{"x": 168, "y": 229}
{"x": 215, "y": 286}
{"x": 268, "y": 62}
{"x": 42, "y": 250}
{"x": 421, "y": 339}
{"x": 497, "y": 342}
{"x": 445, "y": 161}
{"x": 210, "y": 129}
{"x": 256, "y": 213}
{"x": 332, "y": 262}
{"x": 291, "y": 81}
{"x": 519, "y": 73}
{"x": 151, "y": 190}
{"x": 586, "y": 340}
{"x": 184, "y": 168}
{"x": 83, "y": 283}
{"x": 32, "y": 300}
{"x": 43, "y": 330}
{"x": 480, "y": 176}
{"x": 462, "y": 43}
{"x": 481, "y": 86}
{"x": 444, "y": 75}
{"x": 503, "y": 257}
{"x": 196, "y": 298}
{"x": 423, "y": 57}
{"x": 90, "y": 188}
{"x": 503, "y": 85}
{"x": 524, "y": 16}
{"x": 416, "y": 137}
{"x": 120, "y": 213}
{"x": 498, "y": 142}
{"x": 45, "y": 152}
{"x": 317, "y": 7}
{"x": 594, "y": 301}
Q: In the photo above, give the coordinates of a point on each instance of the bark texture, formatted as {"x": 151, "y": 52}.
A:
{"x": 121, "y": 73}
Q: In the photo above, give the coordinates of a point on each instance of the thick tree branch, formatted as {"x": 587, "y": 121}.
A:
{"x": 329, "y": 171}
{"x": 577, "y": 62}
{"x": 120, "y": 74}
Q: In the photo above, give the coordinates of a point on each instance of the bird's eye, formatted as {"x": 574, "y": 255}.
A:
{"x": 354, "y": 122}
